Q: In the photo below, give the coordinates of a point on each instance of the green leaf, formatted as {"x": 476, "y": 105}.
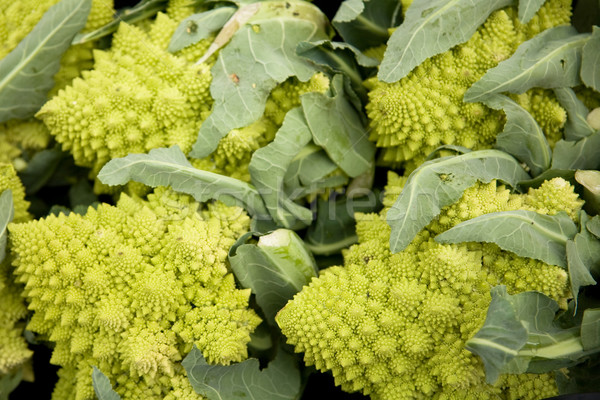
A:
{"x": 337, "y": 127}
{"x": 576, "y": 126}
{"x": 199, "y": 26}
{"x": 279, "y": 381}
{"x": 268, "y": 167}
{"x": 441, "y": 182}
{"x": 364, "y": 23}
{"x": 566, "y": 174}
{"x": 9, "y": 382}
{"x": 590, "y": 329}
{"x": 525, "y": 233}
{"x": 102, "y": 386}
{"x": 590, "y": 63}
{"x": 593, "y": 225}
{"x": 81, "y": 194}
{"x": 583, "y": 255}
{"x": 310, "y": 165}
{"x": 7, "y": 213}
{"x": 528, "y": 8}
{"x": 275, "y": 269}
{"x": 27, "y": 72}
{"x": 141, "y": 11}
{"x": 522, "y": 137}
{"x": 169, "y": 167}
{"x": 590, "y": 180}
{"x": 335, "y": 228}
{"x": 551, "y": 59}
{"x": 258, "y": 57}
{"x": 41, "y": 168}
{"x": 430, "y": 28}
{"x": 501, "y": 336}
{"x": 581, "y": 154}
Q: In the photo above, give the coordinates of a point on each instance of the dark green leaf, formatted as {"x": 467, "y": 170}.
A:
{"x": 590, "y": 329}
{"x": 581, "y": 154}
{"x": 41, "y": 168}
{"x": 525, "y": 233}
{"x": 585, "y": 15}
{"x": 441, "y": 182}
{"x": 169, "y": 167}
{"x": 9, "y": 382}
{"x": 430, "y": 28}
{"x": 102, "y": 386}
{"x": 522, "y": 137}
{"x": 27, "y": 72}
{"x": 551, "y": 59}
{"x": 7, "y": 213}
{"x": 258, "y": 57}
{"x": 275, "y": 269}
{"x": 279, "y": 381}
{"x": 528, "y": 8}
{"x": 593, "y": 225}
{"x": 336, "y": 126}
{"x": 310, "y": 165}
{"x": 269, "y": 164}
{"x": 199, "y": 26}
{"x": 576, "y": 126}
{"x": 81, "y": 194}
{"x": 365, "y": 23}
{"x": 590, "y": 62}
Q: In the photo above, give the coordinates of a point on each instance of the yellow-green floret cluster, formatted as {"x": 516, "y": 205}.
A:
{"x": 14, "y": 351}
{"x": 137, "y": 97}
{"x": 394, "y": 326}
{"x": 425, "y": 109}
{"x": 131, "y": 288}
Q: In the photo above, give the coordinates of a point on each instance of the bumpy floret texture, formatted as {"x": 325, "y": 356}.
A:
{"x": 232, "y": 155}
{"x": 131, "y": 288}
{"x": 394, "y": 326}
{"x": 21, "y": 139}
{"x": 137, "y": 97}
{"x": 425, "y": 109}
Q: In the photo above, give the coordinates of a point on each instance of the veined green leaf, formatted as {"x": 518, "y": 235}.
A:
{"x": 590, "y": 329}
{"x": 102, "y": 386}
{"x": 441, "y": 182}
{"x": 7, "y": 213}
{"x": 275, "y": 269}
{"x": 199, "y": 26}
{"x": 583, "y": 256}
{"x": 590, "y": 63}
{"x": 310, "y": 165}
{"x": 576, "y": 126}
{"x": 528, "y": 8}
{"x": 27, "y": 72}
{"x": 525, "y": 233}
{"x": 430, "y": 28}
{"x": 336, "y": 127}
{"x": 580, "y": 154}
{"x": 269, "y": 164}
{"x": 551, "y": 59}
{"x": 522, "y": 137}
{"x": 279, "y": 381}
{"x": 258, "y": 57}
{"x": 593, "y": 225}
{"x": 170, "y": 167}
{"x": 364, "y": 23}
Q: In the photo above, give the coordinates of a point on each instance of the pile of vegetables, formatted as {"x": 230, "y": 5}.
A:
{"x": 235, "y": 199}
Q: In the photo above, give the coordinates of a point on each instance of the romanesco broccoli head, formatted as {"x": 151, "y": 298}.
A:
{"x": 131, "y": 288}
{"x": 21, "y": 139}
{"x": 394, "y": 326}
{"x": 425, "y": 109}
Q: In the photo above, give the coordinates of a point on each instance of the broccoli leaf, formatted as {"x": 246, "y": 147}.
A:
{"x": 590, "y": 64}
{"x": 9, "y": 382}
{"x": 275, "y": 269}
{"x": 593, "y": 225}
{"x": 590, "y": 329}
{"x": 430, "y": 28}
{"x": 576, "y": 126}
{"x": 269, "y": 164}
{"x": 199, "y": 26}
{"x": 441, "y": 182}
{"x": 27, "y": 72}
{"x": 258, "y": 57}
{"x": 522, "y": 137}
{"x": 169, "y": 167}
{"x": 551, "y": 59}
{"x": 7, "y": 213}
{"x": 40, "y": 169}
{"x": 580, "y": 154}
{"x": 310, "y": 165}
{"x": 528, "y": 8}
{"x": 336, "y": 127}
{"x": 566, "y": 174}
{"x": 364, "y": 23}
{"x": 525, "y": 233}
{"x": 279, "y": 381}
{"x": 583, "y": 255}
{"x": 102, "y": 386}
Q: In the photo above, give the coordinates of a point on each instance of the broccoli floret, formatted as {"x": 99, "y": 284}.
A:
{"x": 131, "y": 288}
{"x": 424, "y": 110}
{"x": 394, "y": 326}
